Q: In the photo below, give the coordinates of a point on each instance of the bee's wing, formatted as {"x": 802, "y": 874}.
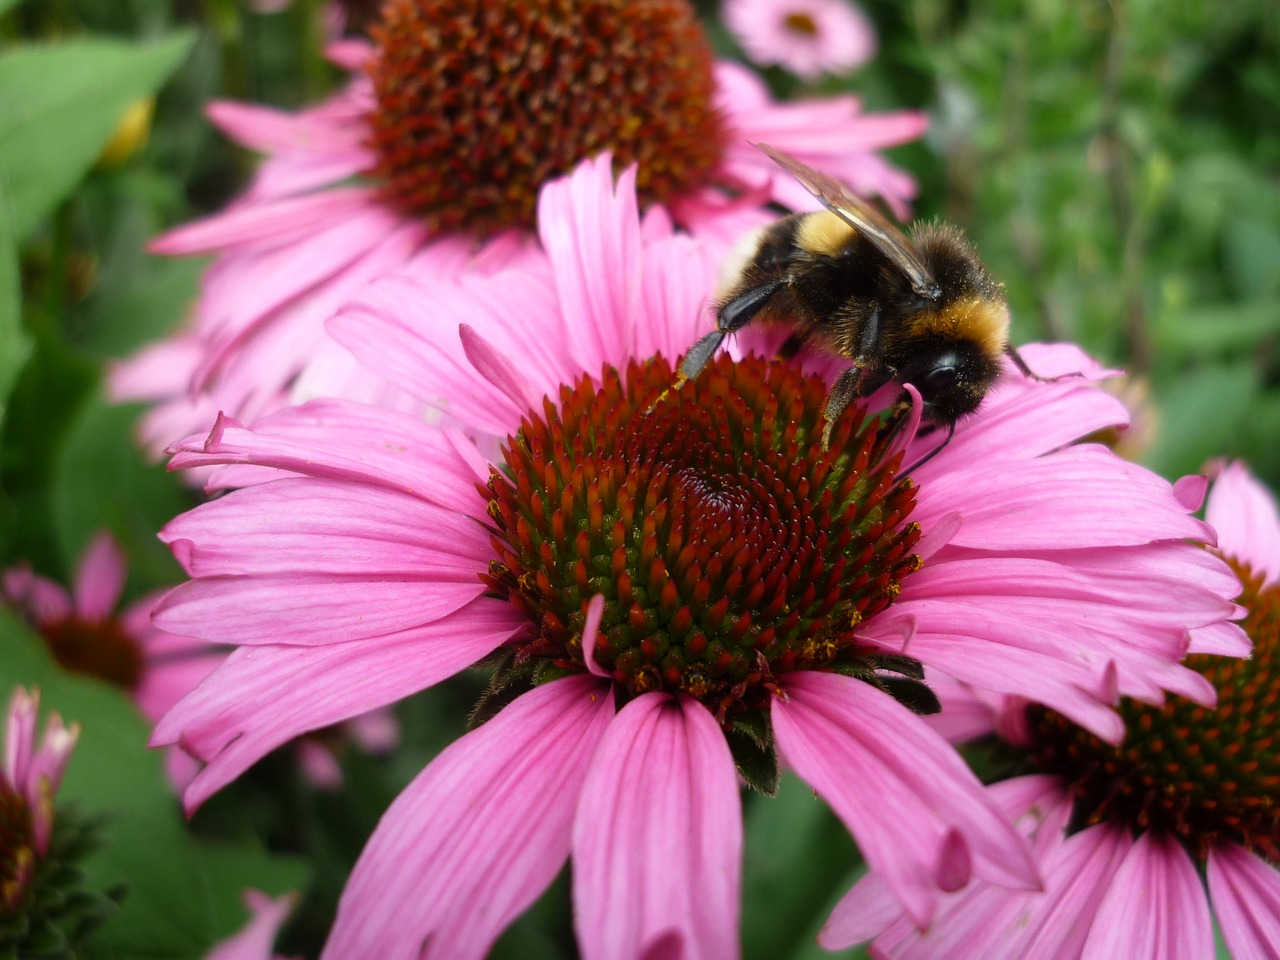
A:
{"x": 868, "y": 221}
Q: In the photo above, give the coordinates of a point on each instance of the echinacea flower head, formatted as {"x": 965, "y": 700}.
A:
{"x": 47, "y": 906}
{"x": 669, "y": 587}
{"x": 87, "y": 634}
{"x": 1123, "y": 834}
{"x": 807, "y": 37}
{"x": 457, "y": 114}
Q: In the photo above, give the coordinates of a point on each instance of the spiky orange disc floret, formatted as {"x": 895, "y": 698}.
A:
{"x": 480, "y": 103}
{"x": 729, "y": 546}
{"x": 1198, "y": 773}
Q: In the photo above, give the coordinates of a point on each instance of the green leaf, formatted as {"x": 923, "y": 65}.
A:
{"x": 6, "y": 5}
{"x": 15, "y": 345}
{"x": 180, "y": 893}
{"x": 59, "y": 105}
{"x": 98, "y": 461}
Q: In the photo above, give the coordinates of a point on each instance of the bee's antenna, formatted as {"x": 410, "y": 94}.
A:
{"x": 951, "y": 432}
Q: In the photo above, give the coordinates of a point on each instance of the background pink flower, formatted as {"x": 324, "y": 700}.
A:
{"x": 807, "y": 37}
{"x": 1190, "y": 791}
{"x": 315, "y": 226}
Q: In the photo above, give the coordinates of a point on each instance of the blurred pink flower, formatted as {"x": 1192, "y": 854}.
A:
{"x": 807, "y": 37}
{"x": 1190, "y": 791}
{"x": 29, "y": 779}
{"x": 86, "y": 634}
{"x": 313, "y": 229}
{"x": 670, "y": 604}
{"x": 257, "y": 939}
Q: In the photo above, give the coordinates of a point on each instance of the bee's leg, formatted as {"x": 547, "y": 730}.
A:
{"x": 869, "y": 336}
{"x": 951, "y": 432}
{"x": 790, "y": 347}
{"x": 740, "y": 311}
{"x": 1012, "y": 353}
{"x": 699, "y": 356}
{"x": 842, "y": 393}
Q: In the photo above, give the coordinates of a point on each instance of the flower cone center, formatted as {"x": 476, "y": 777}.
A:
{"x": 99, "y": 648}
{"x": 729, "y": 547}
{"x": 801, "y": 24}
{"x": 1200, "y": 774}
{"x": 17, "y": 857}
{"x": 480, "y": 103}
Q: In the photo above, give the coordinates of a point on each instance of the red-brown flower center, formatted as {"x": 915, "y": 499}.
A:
{"x": 1200, "y": 774}
{"x": 729, "y": 546}
{"x": 17, "y": 856}
{"x": 801, "y": 23}
{"x": 479, "y": 104}
{"x": 99, "y": 648}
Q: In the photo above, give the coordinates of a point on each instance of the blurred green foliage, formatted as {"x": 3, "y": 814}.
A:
{"x": 1118, "y": 164}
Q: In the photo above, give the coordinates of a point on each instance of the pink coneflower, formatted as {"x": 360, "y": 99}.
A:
{"x": 86, "y": 634}
{"x": 29, "y": 779}
{"x": 666, "y": 585}
{"x": 1123, "y": 834}
{"x": 453, "y": 121}
{"x": 807, "y": 37}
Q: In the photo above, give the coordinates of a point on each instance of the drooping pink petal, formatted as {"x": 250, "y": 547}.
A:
{"x": 1244, "y": 513}
{"x": 1245, "y": 892}
{"x": 1155, "y": 907}
{"x": 261, "y": 697}
{"x": 479, "y": 833}
{"x": 99, "y": 578}
{"x": 865, "y": 754}
{"x": 657, "y": 841}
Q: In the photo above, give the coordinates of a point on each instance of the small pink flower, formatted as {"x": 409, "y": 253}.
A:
{"x": 807, "y": 37}
{"x": 257, "y": 939}
{"x": 29, "y": 779}
{"x": 1190, "y": 792}
{"x": 86, "y": 634}
{"x": 317, "y": 224}
{"x": 675, "y": 583}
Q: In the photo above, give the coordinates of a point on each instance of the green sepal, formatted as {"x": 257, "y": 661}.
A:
{"x": 751, "y": 744}
{"x": 912, "y": 694}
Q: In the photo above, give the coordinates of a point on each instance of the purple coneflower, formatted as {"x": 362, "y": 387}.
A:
{"x": 807, "y": 37}
{"x": 1124, "y": 834}
{"x": 455, "y": 118}
{"x": 86, "y": 634}
{"x": 671, "y": 589}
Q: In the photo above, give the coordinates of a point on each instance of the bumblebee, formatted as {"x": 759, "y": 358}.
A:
{"x": 919, "y": 309}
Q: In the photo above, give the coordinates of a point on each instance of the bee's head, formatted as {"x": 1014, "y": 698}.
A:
{"x": 952, "y": 378}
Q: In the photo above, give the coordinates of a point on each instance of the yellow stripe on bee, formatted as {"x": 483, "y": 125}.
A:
{"x": 984, "y": 321}
{"x": 824, "y": 233}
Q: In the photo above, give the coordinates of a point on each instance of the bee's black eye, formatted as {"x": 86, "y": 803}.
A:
{"x": 937, "y": 380}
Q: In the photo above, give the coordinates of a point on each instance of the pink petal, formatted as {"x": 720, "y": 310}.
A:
{"x": 1244, "y": 513}
{"x": 100, "y": 577}
{"x": 1056, "y": 502}
{"x": 262, "y": 697}
{"x": 1155, "y": 907}
{"x": 256, "y": 940}
{"x": 591, "y": 632}
{"x": 591, "y": 232}
{"x": 345, "y": 441}
{"x": 497, "y": 368}
{"x": 263, "y": 226}
{"x": 1245, "y": 892}
{"x": 331, "y": 528}
{"x": 657, "y": 841}
{"x": 864, "y": 753}
{"x": 479, "y": 833}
